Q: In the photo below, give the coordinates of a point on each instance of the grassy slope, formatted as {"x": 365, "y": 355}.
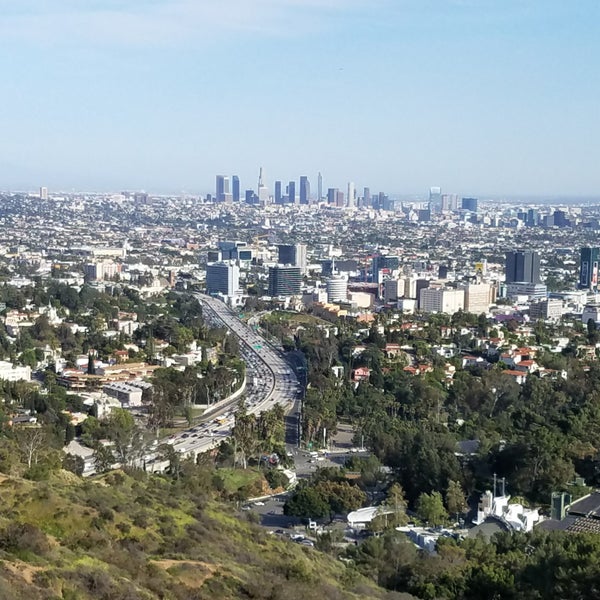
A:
{"x": 117, "y": 538}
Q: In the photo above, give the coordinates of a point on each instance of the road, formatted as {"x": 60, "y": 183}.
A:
{"x": 270, "y": 381}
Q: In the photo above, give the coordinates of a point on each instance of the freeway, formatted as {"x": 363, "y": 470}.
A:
{"x": 270, "y": 380}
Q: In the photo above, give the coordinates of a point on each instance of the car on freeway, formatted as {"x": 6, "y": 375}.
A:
{"x": 259, "y": 503}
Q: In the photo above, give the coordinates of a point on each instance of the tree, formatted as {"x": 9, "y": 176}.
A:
{"x": 396, "y": 501}
{"x": 103, "y": 458}
{"x": 126, "y": 436}
{"x": 31, "y": 441}
{"x": 393, "y": 510}
{"x": 166, "y": 452}
{"x": 455, "y": 498}
{"x": 91, "y": 368}
{"x": 244, "y": 434}
{"x": 430, "y": 508}
{"x": 73, "y": 463}
{"x": 306, "y": 503}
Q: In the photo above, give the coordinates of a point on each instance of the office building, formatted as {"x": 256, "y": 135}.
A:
{"x": 469, "y": 204}
{"x": 351, "y": 194}
{"x": 101, "y": 270}
{"x": 263, "y": 190}
{"x": 560, "y": 219}
{"x": 43, "y": 193}
{"x": 383, "y": 266}
{"x": 550, "y": 309}
{"x": 367, "y": 197}
{"x": 410, "y": 287}
{"x": 223, "y": 278}
{"x": 291, "y": 192}
{"x": 223, "y": 190}
{"x": 588, "y": 268}
{"x": 380, "y": 201}
{"x": 531, "y": 291}
{"x": 235, "y": 188}
{"x": 294, "y": 255}
{"x": 227, "y": 249}
{"x": 478, "y": 297}
{"x": 523, "y": 266}
{"x": 449, "y": 202}
{"x": 435, "y": 198}
{"x": 250, "y": 197}
{"x": 284, "y": 280}
{"x": 337, "y": 289}
{"x": 393, "y": 289}
{"x": 304, "y": 190}
{"x": 278, "y": 195}
{"x": 533, "y": 218}
{"x": 442, "y": 300}
{"x": 319, "y": 187}
{"x": 332, "y": 196}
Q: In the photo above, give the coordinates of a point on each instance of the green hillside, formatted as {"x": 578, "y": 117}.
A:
{"x": 124, "y": 537}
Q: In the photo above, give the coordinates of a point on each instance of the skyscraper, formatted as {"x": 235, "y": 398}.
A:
{"x": 522, "y": 266}
{"x": 43, "y": 193}
{"x": 387, "y": 264}
{"x": 469, "y": 204}
{"x": 222, "y": 278}
{"x": 319, "y": 187}
{"x": 220, "y": 188}
{"x": 294, "y": 255}
{"x": 588, "y": 268}
{"x": 284, "y": 281}
{"x": 435, "y": 198}
{"x": 278, "y": 195}
{"x": 304, "y": 190}
{"x": 291, "y": 192}
{"x": 263, "y": 190}
{"x": 223, "y": 191}
{"x": 235, "y": 188}
{"x": 351, "y": 194}
{"x": 367, "y": 197}
{"x": 332, "y": 195}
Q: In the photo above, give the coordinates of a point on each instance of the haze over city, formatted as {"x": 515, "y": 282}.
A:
{"x": 482, "y": 98}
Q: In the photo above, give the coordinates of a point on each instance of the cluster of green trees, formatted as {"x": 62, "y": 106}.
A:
{"x": 517, "y": 566}
{"x": 254, "y": 436}
{"x": 324, "y": 495}
{"x": 176, "y": 392}
{"x": 539, "y": 435}
{"x": 126, "y": 440}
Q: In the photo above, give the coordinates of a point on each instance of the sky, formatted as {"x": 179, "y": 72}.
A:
{"x": 480, "y": 97}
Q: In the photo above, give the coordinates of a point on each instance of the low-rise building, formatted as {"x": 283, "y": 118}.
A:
{"x": 10, "y": 372}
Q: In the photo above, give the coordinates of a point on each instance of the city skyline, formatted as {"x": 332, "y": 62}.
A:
{"x": 481, "y": 99}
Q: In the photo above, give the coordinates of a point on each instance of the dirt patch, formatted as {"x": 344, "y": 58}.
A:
{"x": 192, "y": 573}
{"x": 23, "y": 570}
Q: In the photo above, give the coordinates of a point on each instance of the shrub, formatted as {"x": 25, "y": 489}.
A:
{"x": 24, "y": 537}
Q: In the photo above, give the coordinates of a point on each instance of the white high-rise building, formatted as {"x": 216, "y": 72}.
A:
{"x": 319, "y": 187}
{"x": 478, "y": 297}
{"x": 43, "y": 193}
{"x": 351, "y": 194}
{"x": 263, "y": 190}
{"x": 442, "y": 300}
{"x": 337, "y": 289}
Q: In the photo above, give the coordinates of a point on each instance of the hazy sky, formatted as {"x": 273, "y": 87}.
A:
{"x": 477, "y": 96}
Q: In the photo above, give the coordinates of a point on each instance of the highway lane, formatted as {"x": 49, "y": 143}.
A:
{"x": 270, "y": 381}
